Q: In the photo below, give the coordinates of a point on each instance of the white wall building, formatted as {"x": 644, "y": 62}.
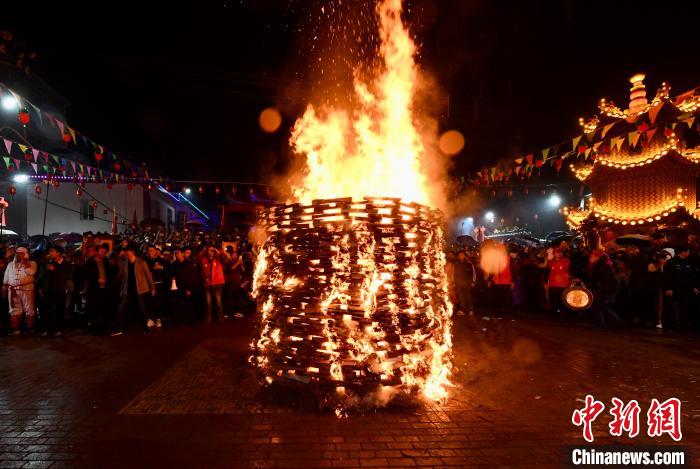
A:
{"x": 91, "y": 211}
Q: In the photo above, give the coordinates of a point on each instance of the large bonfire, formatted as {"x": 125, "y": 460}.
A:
{"x": 350, "y": 283}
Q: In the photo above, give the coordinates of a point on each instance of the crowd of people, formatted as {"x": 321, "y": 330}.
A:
{"x": 649, "y": 286}
{"x": 151, "y": 278}
{"x": 146, "y": 279}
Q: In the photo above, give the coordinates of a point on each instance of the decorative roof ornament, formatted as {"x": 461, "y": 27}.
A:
{"x": 638, "y": 94}
{"x": 589, "y": 125}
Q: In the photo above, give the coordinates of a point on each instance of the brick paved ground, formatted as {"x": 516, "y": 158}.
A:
{"x": 184, "y": 398}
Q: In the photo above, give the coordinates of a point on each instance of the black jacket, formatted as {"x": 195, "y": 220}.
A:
{"x": 58, "y": 278}
{"x": 186, "y": 275}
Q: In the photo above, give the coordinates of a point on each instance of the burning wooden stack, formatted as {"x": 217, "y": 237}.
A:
{"x": 352, "y": 297}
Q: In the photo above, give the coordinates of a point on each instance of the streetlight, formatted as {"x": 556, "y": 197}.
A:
{"x": 20, "y": 178}
{"x": 554, "y": 201}
{"x": 490, "y": 216}
{"x": 188, "y": 190}
{"x": 9, "y": 103}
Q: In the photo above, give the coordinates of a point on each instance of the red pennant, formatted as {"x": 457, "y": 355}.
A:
{"x": 529, "y": 158}
{"x": 558, "y": 163}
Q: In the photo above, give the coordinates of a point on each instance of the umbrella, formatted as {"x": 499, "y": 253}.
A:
{"x": 68, "y": 238}
{"x": 466, "y": 240}
{"x": 155, "y": 222}
{"x": 195, "y": 222}
{"x": 633, "y": 239}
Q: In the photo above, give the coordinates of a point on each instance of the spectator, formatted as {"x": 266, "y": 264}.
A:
{"x": 604, "y": 287}
{"x": 464, "y": 275}
{"x": 136, "y": 284}
{"x": 18, "y": 285}
{"x": 682, "y": 289}
{"x": 235, "y": 282}
{"x": 559, "y": 280}
{"x": 57, "y": 286}
{"x": 213, "y": 281}
{"x": 99, "y": 274}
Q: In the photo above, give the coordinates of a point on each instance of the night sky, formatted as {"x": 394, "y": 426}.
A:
{"x": 181, "y": 85}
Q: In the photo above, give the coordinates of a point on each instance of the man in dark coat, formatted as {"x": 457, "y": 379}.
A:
{"x": 603, "y": 283}
{"x": 682, "y": 289}
{"x": 464, "y": 281}
{"x": 98, "y": 277}
{"x": 187, "y": 279}
{"x": 58, "y": 282}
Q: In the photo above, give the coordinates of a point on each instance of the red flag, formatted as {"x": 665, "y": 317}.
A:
{"x": 529, "y": 158}
{"x": 558, "y": 163}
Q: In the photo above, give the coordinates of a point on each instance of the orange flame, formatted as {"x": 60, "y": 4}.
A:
{"x": 375, "y": 149}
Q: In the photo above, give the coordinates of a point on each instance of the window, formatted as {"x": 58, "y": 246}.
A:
{"x": 87, "y": 210}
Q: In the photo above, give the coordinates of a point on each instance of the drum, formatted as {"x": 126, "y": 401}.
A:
{"x": 577, "y": 296}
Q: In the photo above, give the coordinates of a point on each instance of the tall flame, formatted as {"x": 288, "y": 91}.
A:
{"x": 375, "y": 149}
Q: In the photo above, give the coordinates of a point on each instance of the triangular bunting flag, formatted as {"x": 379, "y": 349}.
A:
{"x": 6, "y": 160}
{"x": 587, "y": 153}
{"x": 529, "y": 158}
{"x": 517, "y": 170}
{"x": 60, "y": 127}
{"x": 34, "y": 167}
{"x": 24, "y": 148}
{"x": 519, "y": 160}
{"x": 55, "y": 158}
{"x": 8, "y": 146}
{"x": 72, "y": 163}
{"x": 606, "y": 129}
{"x": 545, "y": 153}
{"x": 574, "y": 142}
{"x": 17, "y": 162}
{"x": 37, "y": 111}
{"x": 633, "y": 138}
{"x": 650, "y": 133}
{"x": 597, "y": 145}
{"x": 654, "y": 111}
{"x": 35, "y": 152}
{"x": 72, "y": 134}
{"x": 690, "y": 122}
{"x": 558, "y": 163}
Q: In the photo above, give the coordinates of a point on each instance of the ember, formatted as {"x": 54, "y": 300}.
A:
{"x": 353, "y": 298}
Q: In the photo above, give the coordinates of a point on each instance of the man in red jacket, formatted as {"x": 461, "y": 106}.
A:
{"x": 558, "y": 281}
{"x": 213, "y": 281}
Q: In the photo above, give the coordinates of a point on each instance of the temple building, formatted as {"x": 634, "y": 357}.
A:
{"x": 641, "y": 163}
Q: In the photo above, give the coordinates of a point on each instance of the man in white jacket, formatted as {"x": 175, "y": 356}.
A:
{"x": 18, "y": 285}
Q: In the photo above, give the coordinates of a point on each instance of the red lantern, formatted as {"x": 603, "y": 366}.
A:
{"x": 217, "y": 190}
{"x": 149, "y": 186}
{"x": 37, "y": 189}
{"x": 233, "y": 190}
{"x": 201, "y": 189}
{"x": 13, "y": 190}
{"x": 109, "y": 184}
{"x": 78, "y": 192}
{"x": 93, "y": 205}
{"x": 129, "y": 186}
{"x": 23, "y": 116}
{"x": 98, "y": 156}
{"x": 66, "y": 137}
{"x": 117, "y": 166}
